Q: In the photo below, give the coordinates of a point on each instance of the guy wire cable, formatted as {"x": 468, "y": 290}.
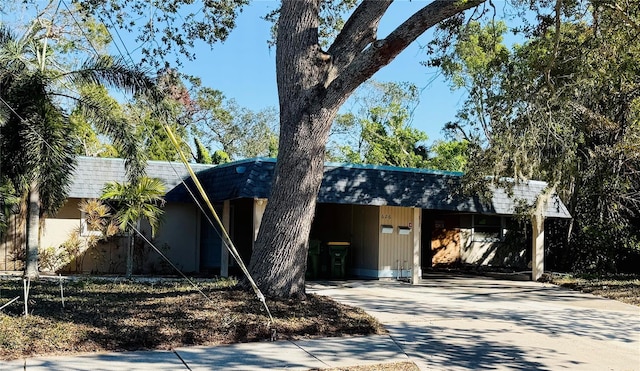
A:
{"x": 230, "y": 244}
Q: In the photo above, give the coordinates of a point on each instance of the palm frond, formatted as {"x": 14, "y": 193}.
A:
{"x": 36, "y": 139}
{"x": 18, "y": 52}
{"x": 136, "y": 201}
{"x": 6, "y": 35}
{"x": 113, "y": 72}
{"x": 106, "y": 115}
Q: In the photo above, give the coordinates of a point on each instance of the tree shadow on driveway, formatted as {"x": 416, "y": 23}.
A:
{"x": 456, "y": 324}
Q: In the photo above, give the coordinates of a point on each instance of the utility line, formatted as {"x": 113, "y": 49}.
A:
{"x": 227, "y": 239}
{"x": 95, "y": 50}
{"x": 119, "y": 38}
{"x": 230, "y": 245}
{"x": 28, "y": 126}
{"x": 168, "y": 260}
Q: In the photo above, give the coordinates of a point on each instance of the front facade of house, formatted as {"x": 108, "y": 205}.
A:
{"x": 177, "y": 238}
{"x": 392, "y": 222}
{"x": 395, "y": 221}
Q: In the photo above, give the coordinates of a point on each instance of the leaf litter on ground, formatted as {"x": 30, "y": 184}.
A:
{"x": 120, "y": 315}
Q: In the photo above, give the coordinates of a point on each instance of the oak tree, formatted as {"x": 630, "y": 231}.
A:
{"x": 320, "y": 61}
{"x": 312, "y": 85}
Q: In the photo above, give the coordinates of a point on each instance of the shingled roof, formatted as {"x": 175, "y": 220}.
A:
{"x": 92, "y": 173}
{"x": 369, "y": 185}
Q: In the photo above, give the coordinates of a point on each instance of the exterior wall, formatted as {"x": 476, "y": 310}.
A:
{"x": 106, "y": 257}
{"x": 179, "y": 237}
{"x": 510, "y": 249}
{"x": 209, "y": 243}
{"x": 58, "y": 228}
{"x": 396, "y": 250}
{"x": 442, "y": 240}
{"x": 365, "y": 241}
{"x": 445, "y": 247}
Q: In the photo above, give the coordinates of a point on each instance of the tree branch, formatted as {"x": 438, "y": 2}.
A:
{"x": 359, "y": 31}
{"x": 382, "y": 52}
{"x": 594, "y": 116}
{"x": 618, "y": 9}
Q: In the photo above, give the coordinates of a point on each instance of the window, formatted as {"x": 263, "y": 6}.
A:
{"x": 487, "y": 228}
{"x": 86, "y": 229}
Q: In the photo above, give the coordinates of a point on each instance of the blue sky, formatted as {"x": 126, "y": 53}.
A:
{"x": 244, "y": 67}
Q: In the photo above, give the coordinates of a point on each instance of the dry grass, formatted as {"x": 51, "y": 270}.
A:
{"x": 117, "y": 316}
{"x": 397, "y": 366}
{"x": 624, "y": 288}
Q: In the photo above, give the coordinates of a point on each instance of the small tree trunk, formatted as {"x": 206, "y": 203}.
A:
{"x": 132, "y": 241}
{"x": 132, "y": 245}
{"x": 33, "y": 231}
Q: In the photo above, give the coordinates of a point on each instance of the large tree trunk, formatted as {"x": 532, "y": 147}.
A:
{"x": 279, "y": 258}
{"x": 312, "y": 85}
{"x": 33, "y": 231}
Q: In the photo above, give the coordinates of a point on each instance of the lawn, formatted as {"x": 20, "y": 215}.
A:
{"x": 624, "y": 288}
{"x": 118, "y": 315}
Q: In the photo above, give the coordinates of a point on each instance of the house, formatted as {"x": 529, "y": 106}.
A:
{"x": 89, "y": 178}
{"x": 395, "y": 221}
{"x": 392, "y": 222}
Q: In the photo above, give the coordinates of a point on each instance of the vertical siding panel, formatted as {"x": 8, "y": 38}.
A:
{"x": 396, "y": 248}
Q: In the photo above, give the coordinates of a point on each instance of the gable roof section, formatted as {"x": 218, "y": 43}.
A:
{"x": 240, "y": 179}
{"x": 368, "y": 185}
{"x": 92, "y": 173}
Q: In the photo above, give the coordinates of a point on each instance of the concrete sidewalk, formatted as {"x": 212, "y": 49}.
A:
{"x": 279, "y": 355}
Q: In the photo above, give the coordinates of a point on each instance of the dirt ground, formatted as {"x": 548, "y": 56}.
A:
{"x": 121, "y": 315}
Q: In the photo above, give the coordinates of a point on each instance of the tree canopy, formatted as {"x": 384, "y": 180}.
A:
{"x": 562, "y": 107}
{"x": 378, "y": 130}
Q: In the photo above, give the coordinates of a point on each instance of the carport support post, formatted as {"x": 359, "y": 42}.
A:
{"x": 224, "y": 253}
{"x": 259, "y": 205}
{"x": 537, "y": 251}
{"x": 416, "y": 271}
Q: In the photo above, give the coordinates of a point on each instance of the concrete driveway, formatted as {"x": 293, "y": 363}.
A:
{"x": 470, "y": 323}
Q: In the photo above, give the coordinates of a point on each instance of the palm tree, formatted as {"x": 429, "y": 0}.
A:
{"x": 133, "y": 202}
{"x": 37, "y": 143}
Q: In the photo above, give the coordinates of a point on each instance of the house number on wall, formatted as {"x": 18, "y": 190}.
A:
{"x": 385, "y": 217}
